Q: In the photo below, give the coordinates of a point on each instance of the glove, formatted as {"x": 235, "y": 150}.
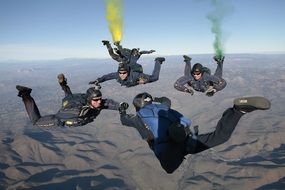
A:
{"x": 117, "y": 43}
{"x": 219, "y": 59}
{"x": 105, "y": 42}
{"x": 95, "y": 82}
{"x": 142, "y": 80}
{"x": 151, "y": 51}
{"x": 190, "y": 91}
{"x": 123, "y": 107}
{"x": 210, "y": 91}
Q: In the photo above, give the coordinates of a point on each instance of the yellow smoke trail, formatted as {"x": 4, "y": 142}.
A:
{"x": 115, "y": 18}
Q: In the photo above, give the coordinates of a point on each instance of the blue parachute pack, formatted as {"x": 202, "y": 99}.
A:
{"x": 159, "y": 118}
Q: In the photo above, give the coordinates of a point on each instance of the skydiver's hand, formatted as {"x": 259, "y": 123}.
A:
{"x": 210, "y": 91}
{"x": 117, "y": 43}
{"x": 123, "y": 107}
{"x": 105, "y": 42}
{"x": 190, "y": 91}
{"x": 95, "y": 82}
{"x": 152, "y": 51}
{"x": 142, "y": 81}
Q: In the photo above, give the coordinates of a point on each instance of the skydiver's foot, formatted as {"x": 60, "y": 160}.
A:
{"x": 61, "y": 79}
{"x": 219, "y": 59}
{"x": 186, "y": 58}
{"x": 249, "y": 104}
{"x": 23, "y": 90}
{"x": 105, "y": 42}
{"x": 160, "y": 59}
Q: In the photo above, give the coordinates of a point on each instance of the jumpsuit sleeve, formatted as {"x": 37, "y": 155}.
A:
{"x": 109, "y": 76}
{"x": 146, "y": 52}
{"x": 128, "y": 120}
{"x": 110, "y": 104}
{"x": 216, "y": 82}
{"x": 181, "y": 82}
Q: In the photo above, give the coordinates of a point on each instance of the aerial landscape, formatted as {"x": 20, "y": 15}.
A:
{"x": 105, "y": 154}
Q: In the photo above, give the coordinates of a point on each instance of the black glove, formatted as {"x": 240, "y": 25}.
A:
{"x": 123, "y": 107}
{"x": 117, "y": 43}
{"x": 210, "y": 91}
{"x": 95, "y": 82}
{"x": 190, "y": 91}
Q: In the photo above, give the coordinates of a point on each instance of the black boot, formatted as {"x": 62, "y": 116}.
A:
{"x": 219, "y": 60}
{"x": 23, "y": 90}
{"x": 160, "y": 59}
{"x": 249, "y": 104}
{"x": 61, "y": 79}
{"x": 186, "y": 58}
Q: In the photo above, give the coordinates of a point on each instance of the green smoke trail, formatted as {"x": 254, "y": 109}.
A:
{"x": 215, "y": 18}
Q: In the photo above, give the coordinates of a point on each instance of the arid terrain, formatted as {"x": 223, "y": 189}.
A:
{"x": 107, "y": 155}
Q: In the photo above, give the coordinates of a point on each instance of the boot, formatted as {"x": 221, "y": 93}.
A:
{"x": 186, "y": 58}
{"x": 160, "y": 59}
{"x": 219, "y": 59}
{"x": 249, "y": 104}
{"x": 23, "y": 90}
{"x": 61, "y": 79}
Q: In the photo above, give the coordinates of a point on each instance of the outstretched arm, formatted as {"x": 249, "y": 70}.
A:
{"x": 106, "y": 77}
{"x": 217, "y": 83}
{"x": 181, "y": 84}
{"x": 110, "y": 104}
{"x": 132, "y": 120}
{"x": 147, "y": 52}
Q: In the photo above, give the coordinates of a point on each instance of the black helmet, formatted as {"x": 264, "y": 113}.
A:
{"x": 123, "y": 67}
{"x": 197, "y": 67}
{"x": 141, "y": 100}
{"x": 92, "y": 93}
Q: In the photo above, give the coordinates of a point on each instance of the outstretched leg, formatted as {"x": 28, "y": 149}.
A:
{"x": 187, "y": 69}
{"x": 219, "y": 69}
{"x": 226, "y": 124}
{"x": 30, "y": 105}
{"x": 63, "y": 83}
{"x": 155, "y": 73}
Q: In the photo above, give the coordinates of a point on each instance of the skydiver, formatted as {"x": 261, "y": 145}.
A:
{"x": 134, "y": 54}
{"x": 77, "y": 109}
{"x": 128, "y": 77}
{"x": 199, "y": 78}
{"x": 169, "y": 134}
{"x": 125, "y": 55}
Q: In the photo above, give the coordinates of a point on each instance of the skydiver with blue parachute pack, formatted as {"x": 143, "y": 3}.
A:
{"x": 169, "y": 134}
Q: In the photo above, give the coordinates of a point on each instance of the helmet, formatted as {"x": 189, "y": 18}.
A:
{"x": 93, "y": 93}
{"x": 141, "y": 100}
{"x": 197, "y": 67}
{"x": 123, "y": 67}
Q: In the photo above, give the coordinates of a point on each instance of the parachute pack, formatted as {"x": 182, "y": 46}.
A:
{"x": 165, "y": 123}
{"x": 136, "y": 68}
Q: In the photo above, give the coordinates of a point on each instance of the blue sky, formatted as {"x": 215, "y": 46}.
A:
{"x": 56, "y": 29}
